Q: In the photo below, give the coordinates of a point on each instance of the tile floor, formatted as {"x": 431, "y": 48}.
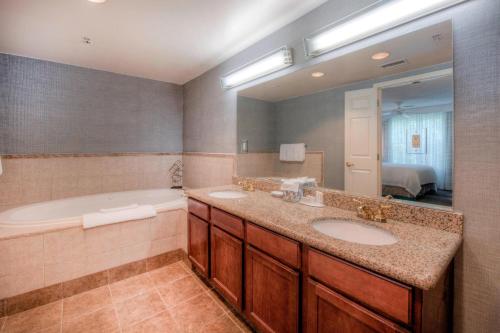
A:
{"x": 169, "y": 299}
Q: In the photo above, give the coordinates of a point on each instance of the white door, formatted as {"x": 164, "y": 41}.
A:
{"x": 361, "y": 142}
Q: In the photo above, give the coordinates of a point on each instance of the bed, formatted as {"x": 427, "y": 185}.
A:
{"x": 408, "y": 180}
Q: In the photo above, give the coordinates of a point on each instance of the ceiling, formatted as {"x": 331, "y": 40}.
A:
{"x": 419, "y": 48}
{"x": 425, "y": 94}
{"x": 167, "y": 40}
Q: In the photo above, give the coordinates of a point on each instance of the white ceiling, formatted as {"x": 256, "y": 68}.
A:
{"x": 419, "y": 48}
{"x": 437, "y": 92}
{"x": 167, "y": 40}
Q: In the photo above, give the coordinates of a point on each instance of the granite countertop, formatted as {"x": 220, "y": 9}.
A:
{"x": 419, "y": 258}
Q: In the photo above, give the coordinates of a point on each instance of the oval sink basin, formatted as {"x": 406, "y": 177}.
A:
{"x": 354, "y": 232}
{"x": 227, "y": 194}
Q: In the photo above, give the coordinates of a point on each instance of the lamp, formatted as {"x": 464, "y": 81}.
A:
{"x": 374, "y": 19}
{"x": 262, "y": 66}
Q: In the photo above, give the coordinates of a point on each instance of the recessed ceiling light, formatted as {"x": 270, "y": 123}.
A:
{"x": 317, "y": 74}
{"x": 98, "y": 1}
{"x": 380, "y": 55}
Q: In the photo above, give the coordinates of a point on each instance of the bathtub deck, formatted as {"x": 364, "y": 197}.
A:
{"x": 168, "y": 299}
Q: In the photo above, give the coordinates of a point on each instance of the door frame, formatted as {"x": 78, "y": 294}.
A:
{"x": 404, "y": 81}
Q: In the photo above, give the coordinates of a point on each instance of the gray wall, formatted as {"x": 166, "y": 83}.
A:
{"x": 257, "y": 124}
{"x": 47, "y": 107}
{"x": 210, "y": 126}
{"x": 318, "y": 121}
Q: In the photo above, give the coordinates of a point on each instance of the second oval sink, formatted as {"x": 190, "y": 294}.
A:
{"x": 354, "y": 232}
{"x": 227, "y": 194}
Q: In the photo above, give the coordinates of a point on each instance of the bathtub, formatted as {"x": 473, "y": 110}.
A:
{"x": 44, "y": 243}
{"x": 62, "y": 213}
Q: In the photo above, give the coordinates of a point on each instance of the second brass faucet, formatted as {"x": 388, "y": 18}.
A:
{"x": 377, "y": 214}
{"x": 246, "y": 185}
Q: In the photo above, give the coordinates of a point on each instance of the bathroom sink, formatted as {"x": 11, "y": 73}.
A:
{"x": 227, "y": 194}
{"x": 354, "y": 232}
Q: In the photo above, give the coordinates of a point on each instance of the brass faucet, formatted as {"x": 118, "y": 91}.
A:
{"x": 377, "y": 214}
{"x": 246, "y": 185}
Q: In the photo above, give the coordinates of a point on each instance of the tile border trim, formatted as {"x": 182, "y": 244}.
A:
{"x": 16, "y": 156}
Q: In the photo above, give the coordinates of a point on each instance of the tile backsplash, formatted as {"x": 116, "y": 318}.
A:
{"x": 40, "y": 178}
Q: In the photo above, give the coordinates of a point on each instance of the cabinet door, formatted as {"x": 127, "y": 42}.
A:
{"x": 198, "y": 243}
{"x": 272, "y": 293}
{"x": 227, "y": 265}
{"x": 328, "y": 311}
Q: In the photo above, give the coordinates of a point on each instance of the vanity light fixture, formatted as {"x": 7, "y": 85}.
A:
{"x": 381, "y": 16}
{"x": 380, "y": 55}
{"x": 317, "y": 74}
{"x": 97, "y": 1}
{"x": 267, "y": 64}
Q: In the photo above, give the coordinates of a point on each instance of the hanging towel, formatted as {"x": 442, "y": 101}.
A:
{"x": 295, "y": 152}
{"x": 116, "y": 215}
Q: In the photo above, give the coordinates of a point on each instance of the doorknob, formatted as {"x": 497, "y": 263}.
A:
{"x": 349, "y": 164}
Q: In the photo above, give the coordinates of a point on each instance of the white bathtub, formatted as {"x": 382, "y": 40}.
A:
{"x": 68, "y": 212}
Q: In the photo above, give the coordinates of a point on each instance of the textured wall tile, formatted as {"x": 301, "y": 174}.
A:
{"x": 49, "y": 107}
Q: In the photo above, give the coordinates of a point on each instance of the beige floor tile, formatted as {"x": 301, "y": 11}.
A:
{"x": 180, "y": 290}
{"x": 102, "y": 320}
{"x": 243, "y": 326}
{"x": 52, "y": 329}
{"x": 223, "y": 324}
{"x": 130, "y": 287}
{"x": 35, "y": 319}
{"x": 160, "y": 323}
{"x": 86, "y": 302}
{"x": 194, "y": 314}
{"x": 136, "y": 309}
{"x": 168, "y": 274}
{"x": 218, "y": 299}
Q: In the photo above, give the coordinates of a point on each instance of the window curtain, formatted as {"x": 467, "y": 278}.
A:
{"x": 438, "y": 152}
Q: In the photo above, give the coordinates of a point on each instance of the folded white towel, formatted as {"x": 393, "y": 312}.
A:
{"x": 294, "y": 152}
{"x": 115, "y": 209}
{"x": 119, "y": 214}
{"x": 295, "y": 184}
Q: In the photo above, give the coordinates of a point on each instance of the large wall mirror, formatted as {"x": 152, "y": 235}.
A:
{"x": 376, "y": 121}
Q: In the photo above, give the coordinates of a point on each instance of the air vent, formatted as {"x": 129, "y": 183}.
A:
{"x": 394, "y": 63}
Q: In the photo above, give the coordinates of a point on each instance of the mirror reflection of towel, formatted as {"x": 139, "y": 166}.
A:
{"x": 294, "y": 152}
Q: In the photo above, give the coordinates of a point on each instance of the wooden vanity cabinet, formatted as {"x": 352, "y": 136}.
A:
{"x": 198, "y": 236}
{"x": 330, "y": 312}
{"x": 272, "y": 293}
{"x": 226, "y": 251}
{"x": 281, "y": 285}
{"x": 272, "y": 280}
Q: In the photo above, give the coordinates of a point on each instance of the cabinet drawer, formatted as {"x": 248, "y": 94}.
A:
{"x": 328, "y": 311}
{"x": 374, "y": 291}
{"x": 283, "y": 249}
{"x": 199, "y": 209}
{"x": 227, "y": 222}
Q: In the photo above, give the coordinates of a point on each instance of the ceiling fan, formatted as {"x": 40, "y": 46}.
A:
{"x": 400, "y": 110}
